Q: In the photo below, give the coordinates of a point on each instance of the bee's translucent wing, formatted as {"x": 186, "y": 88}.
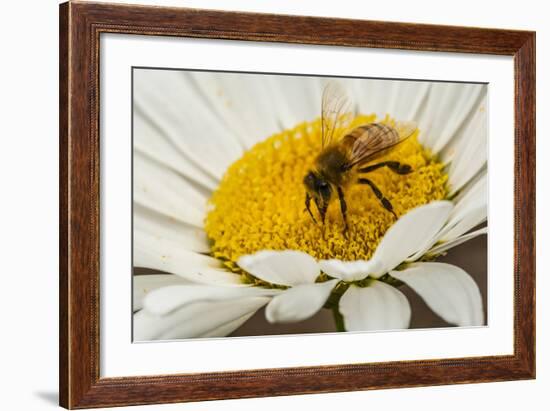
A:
{"x": 375, "y": 139}
{"x": 405, "y": 129}
{"x": 336, "y": 112}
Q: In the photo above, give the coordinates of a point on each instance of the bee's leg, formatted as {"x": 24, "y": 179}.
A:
{"x": 322, "y": 207}
{"x": 385, "y": 202}
{"x": 394, "y": 166}
{"x": 343, "y": 209}
{"x": 308, "y": 207}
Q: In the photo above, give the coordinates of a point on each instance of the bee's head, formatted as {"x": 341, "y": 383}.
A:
{"x": 318, "y": 188}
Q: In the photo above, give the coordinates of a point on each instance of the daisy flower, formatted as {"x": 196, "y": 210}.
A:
{"x": 219, "y": 217}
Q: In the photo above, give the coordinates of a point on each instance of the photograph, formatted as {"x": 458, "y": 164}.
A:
{"x": 275, "y": 205}
{"x": 270, "y": 204}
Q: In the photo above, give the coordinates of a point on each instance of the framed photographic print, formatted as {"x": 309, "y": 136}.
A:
{"x": 256, "y": 205}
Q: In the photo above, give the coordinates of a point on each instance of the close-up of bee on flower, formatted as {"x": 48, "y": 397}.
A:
{"x": 339, "y": 163}
{"x": 284, "y": 204}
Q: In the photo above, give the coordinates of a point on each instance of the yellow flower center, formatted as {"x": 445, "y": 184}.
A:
{"x": 259, "y": 204}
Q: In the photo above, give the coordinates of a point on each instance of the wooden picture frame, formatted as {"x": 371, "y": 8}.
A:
{"x": 80, "y": 27}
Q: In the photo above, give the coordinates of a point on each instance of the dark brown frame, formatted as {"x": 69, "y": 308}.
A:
{"x": 80, "y": 27}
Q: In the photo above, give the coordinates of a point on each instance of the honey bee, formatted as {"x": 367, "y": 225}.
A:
{"x": 346, "y": 152}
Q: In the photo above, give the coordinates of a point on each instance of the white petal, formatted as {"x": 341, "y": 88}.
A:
{"x": 143, "y": 284}
{"x": 151, "y": 142}
{"x": 438, "y": 249}
{"x": 160, "y": 189}
{"x": 225, "y": 329}
{"x": 376, "y": 307}
{"x": 412, "y": 232}
{"x": 164, "y": 300}
{"x": 299, "y": 302}
{"x": 243, "y": 102}
{"x": 409, "y": 99}
{"x": 350, "y": 270}
{"x": 172, "y": 102}
{"x": 476, "y": 189}
{"x": 371, "y": 96}
{"x": 158, "y": 225}
{"x": 288, "y": 267}
{"x": 295, "y": 99}
{"x": 474, "y": 217}
{"x": 447, "y": 289}
{"x": 402, "y": 100}
{"x": 467, "y": 153}
{"x": 446, "y": 110}
{"x": 470, "y": 211}
{"x": 196, "y": 320}
{"x": 168, "y": 256}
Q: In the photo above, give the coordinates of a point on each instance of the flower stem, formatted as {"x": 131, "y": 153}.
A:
{"x": 338, "y": 319}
